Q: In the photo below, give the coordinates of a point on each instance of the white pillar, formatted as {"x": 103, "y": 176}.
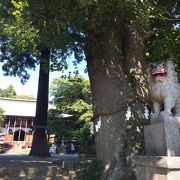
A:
{"x": 14, "y": 130}
{"x": 8, "y": 127}
{"x": 25, "y": 131}
{"x": 19, "y": 132}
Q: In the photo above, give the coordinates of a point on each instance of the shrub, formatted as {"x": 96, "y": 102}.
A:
{"x": 91, "y": 170}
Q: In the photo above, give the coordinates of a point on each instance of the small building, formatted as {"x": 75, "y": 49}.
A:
{"x": 19, "y": 117}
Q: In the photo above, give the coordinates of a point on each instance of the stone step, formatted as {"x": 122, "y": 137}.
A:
{"x": 59, "y": 177}
{"x": 29, "y": 171}
{"x": 23, "y": 167}
{"x": 37, "y": 173}
{"x": 26, "y": 167}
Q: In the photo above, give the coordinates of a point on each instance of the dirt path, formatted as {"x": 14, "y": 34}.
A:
{"x": 18, "y": 151}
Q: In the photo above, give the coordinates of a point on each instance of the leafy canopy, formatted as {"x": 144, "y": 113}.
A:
{"x": 64, "y": 26}
{"x": 27, "y": 27}
{"x": 165, "y": 45}
{"x": 73, "y": 95}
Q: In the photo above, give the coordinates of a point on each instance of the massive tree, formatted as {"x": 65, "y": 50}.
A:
{"x": 40, "y": 135}
{"x": 114, "y": 36}
{"x": 117, "y": 33}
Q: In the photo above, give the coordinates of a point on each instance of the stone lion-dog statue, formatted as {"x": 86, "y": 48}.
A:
{"x": 164, "y": 89}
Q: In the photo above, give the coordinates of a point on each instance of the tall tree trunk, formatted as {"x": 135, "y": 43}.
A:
{"x": 40, "y": 142}
{"x": 114, "y": 60}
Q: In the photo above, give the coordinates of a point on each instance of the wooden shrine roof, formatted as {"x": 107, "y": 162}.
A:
{"x": 19, "y": 107}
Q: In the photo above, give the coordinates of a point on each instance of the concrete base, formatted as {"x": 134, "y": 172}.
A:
{"x": 157, "y": 167}
{"x": 163, "y": 137}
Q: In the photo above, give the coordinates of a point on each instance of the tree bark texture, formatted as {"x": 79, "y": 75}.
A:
{"x": 115, "y": 58}
{"x": 40, "y": 136}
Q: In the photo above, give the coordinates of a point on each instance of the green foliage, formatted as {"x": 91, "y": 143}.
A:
{"x": 28, "y": 97}
{"x": 23, "y": 37}
{"x": 73, "y": 96}
{"x": 2, "y": 117}
{"x": 86, "y": 139}
{"x": 56, "y": 124}
{"x": 164, "y": 42}
{"x": 91, "y": 170}
{"x": 18, "y": 40}
{"x": 9, "y": 92}
{"x": 64, "y": 27}
{"x": 144, "y": 14}
{"x": 165, "y": 45}
{"x": 27, "y": 27}
{"x": 82, "y": 108}
{"x": 19, "y": 31}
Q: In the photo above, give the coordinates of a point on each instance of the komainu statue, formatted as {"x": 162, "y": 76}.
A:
{"x": 164, "y": 89}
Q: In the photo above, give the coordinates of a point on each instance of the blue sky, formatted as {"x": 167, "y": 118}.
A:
{"x": 30, "y": 87}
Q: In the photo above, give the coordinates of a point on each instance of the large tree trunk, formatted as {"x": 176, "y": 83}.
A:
{"x": 115, "y": 58}
{"x": 40, "y": 140}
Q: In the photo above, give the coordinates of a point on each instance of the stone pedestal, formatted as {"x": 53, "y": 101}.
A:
{"x": 163, "y": 138}
{"x": 157, "y": 167}
{"x": 162, "y": 151}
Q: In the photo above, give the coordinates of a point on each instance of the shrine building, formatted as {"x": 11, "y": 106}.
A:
{"x": 19, "y": 117}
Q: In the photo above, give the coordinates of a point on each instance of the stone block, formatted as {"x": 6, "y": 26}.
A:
{"x": 157, "y": 167}
{"x": 163, "y": 138}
